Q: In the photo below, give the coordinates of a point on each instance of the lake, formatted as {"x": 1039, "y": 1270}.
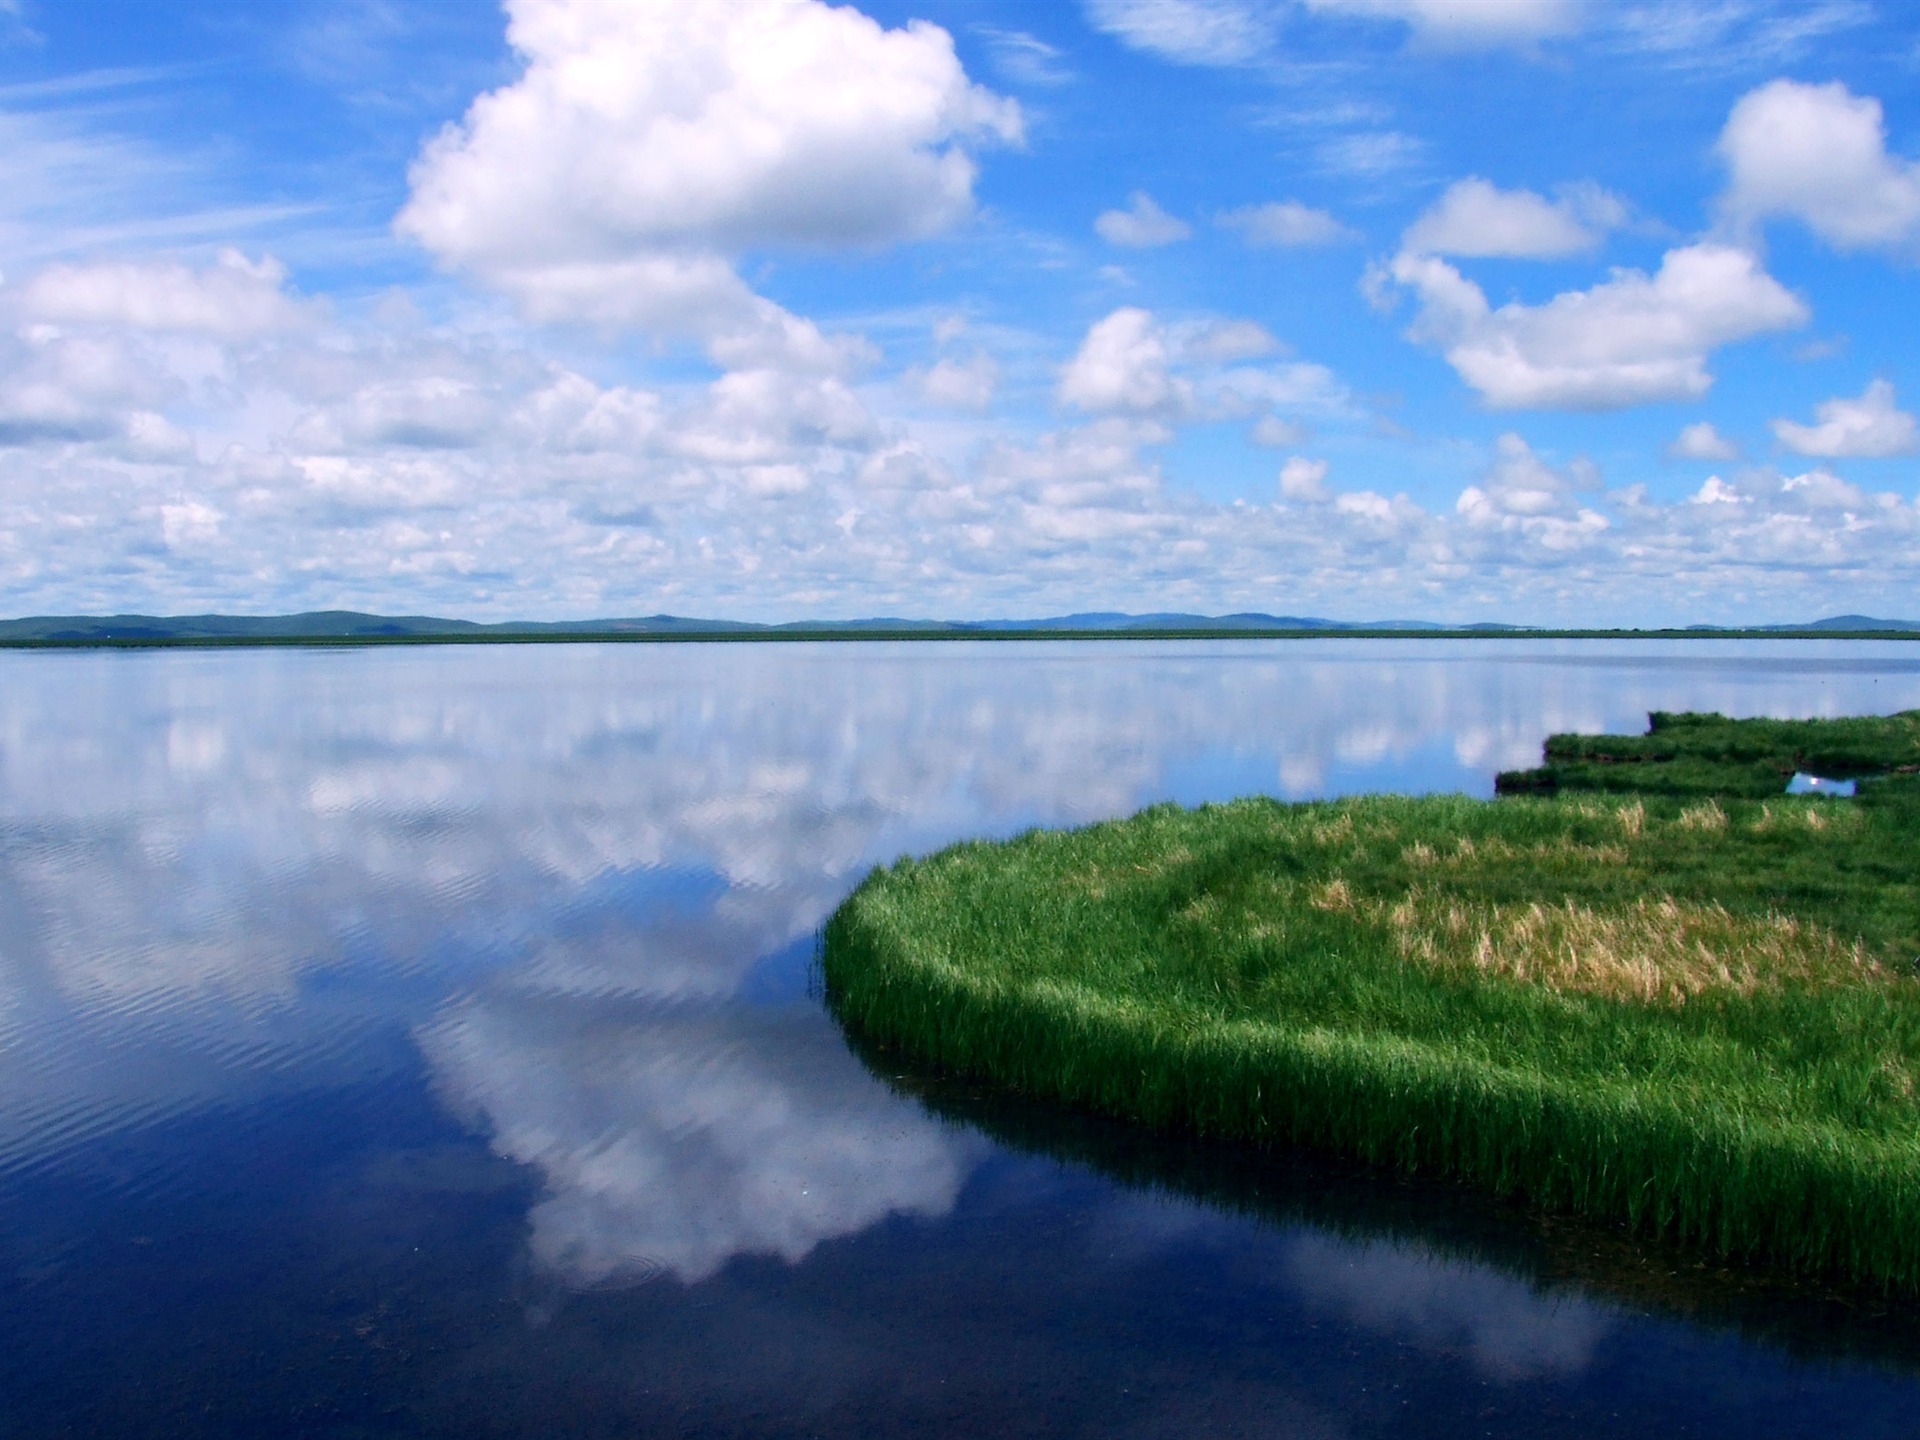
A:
{"x": 425, "y": 1041}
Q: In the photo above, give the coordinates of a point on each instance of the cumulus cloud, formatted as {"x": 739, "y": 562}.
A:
{"x": 384, "y": 463}
{"x": 1131, "y": 364}
{"x": 1524, "y": 511}
{"x": 57, "y": 387}
{"x": 1701, "y": 441}
{"x": 1818, "y": 154}
{"x": 1520, "y": 488}
{"x": 1870, "y": 426}
{"x": 1285, "y": 223}
{"x": 1122, "y": 365}
{"x": 1783, "y": 503}
{"x": 1276, "y": 433}
{"x": 1632, "y": 339}
{"x": 1468, "y": 22}
{"x": 1142, "y": 225}
{"x": 1476, "y": 218}
{"x": 645, "y": 146}
{"x": 234, "y": 298}
{"x": 967, "y": 384}
{"x": 1304, "y": 481}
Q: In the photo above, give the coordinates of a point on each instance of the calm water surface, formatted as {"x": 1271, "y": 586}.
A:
{"x": 420, "y": 1042}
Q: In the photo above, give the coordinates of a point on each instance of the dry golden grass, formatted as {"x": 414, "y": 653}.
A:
{"x": 1337, "y": 832}
{"x": 1708, "y": 816}
{"x": 1657, "y": 951}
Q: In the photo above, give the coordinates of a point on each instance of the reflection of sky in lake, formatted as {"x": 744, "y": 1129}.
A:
{"x": 452, "y": 1004}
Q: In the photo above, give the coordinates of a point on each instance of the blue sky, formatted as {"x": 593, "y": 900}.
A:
{"x": 1525, "y": 310}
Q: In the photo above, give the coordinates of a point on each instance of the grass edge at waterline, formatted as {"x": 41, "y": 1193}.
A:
{"x": 1734, "y": 1170}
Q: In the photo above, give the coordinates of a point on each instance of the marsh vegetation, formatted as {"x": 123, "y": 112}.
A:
{"x": 1648, "y": 986}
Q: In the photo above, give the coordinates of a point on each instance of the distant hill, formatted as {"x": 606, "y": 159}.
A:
{"x": 350, "y": 625}
{"x": 1852, "y": 622}
{"x": 329, "y": 624}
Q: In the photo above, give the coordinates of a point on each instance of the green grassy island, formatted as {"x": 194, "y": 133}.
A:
{"x": 1645, "y": 986}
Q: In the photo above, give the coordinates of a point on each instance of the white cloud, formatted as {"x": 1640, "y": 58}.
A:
{"x": 189, "y": 523}
{"x": 1192, "y": 32}
{"x": 1300, "y": 386}
{"x": 1131, "y": 364}
{"x": 154, "y": 439}
{"x": 1790, "y": 501}
{"x": 1630, "y": 340}
{"x": 1732, "y": 36}
{"x": 1823, "y": 490}
{"x": 1304, "y": 481}
{"x": 1519, "y": 483}
{"x": 1236, "y": 32}
{"x": 1868, "y": 427}
{"x": 1818, "y": 153}
{"x": 1025, "y": 59}
{"x": 966, "y": 384}
{"x": 1225, "y": 341}
{"x": 1715, "y": 491}
{"x": 1701, "y": 441}
{"x": 1524, "y": 511}
{"x": 645, "y": 146}
{"x": 381, "y": 462}
{"x": 1371, "y": 153}
{"x": 1122, "y": 365}
{"x": 1477, "y": 218}
{"x": 1285, "y": 223}
{"x": 1468, "y": 22}
{"x": 1142, "y": 225}
{"x": 62, "y": 388}
{"x": 1276, "y": 433}
{"x": 234, "y": 298}
{"x": 428, "y": 412}
{"x": 759, "y": 495}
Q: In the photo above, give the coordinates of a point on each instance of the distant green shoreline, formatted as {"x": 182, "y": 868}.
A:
{"x": 875, "y": 635}
{"x": 1647, "y": 986}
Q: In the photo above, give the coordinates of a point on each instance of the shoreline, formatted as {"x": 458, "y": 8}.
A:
{"x": 852, "y": 635}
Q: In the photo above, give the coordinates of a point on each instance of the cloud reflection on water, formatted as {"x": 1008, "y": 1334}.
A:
{"x": 675, "y": 1138}
{"x": 1508, "y": 1328}
{"x": 559, "y": 867}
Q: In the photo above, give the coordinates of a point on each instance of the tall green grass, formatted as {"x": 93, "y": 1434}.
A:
{"x": 1696, "y": 754}
{"x": 1698, "y": 1017}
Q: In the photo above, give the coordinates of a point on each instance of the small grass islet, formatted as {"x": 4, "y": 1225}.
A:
{"x": 1645, "y": 985}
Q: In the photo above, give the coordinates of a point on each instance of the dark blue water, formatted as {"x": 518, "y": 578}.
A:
{"x": 420, "y": 1042}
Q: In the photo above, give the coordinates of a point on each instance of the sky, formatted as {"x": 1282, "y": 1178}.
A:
{"x": 1534, "y": 311}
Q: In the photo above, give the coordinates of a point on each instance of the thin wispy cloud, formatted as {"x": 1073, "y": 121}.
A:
{"x": 1022, "y": 58}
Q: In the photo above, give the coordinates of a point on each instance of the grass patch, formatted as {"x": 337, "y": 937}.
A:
{"x": 1688, "y": 1008}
